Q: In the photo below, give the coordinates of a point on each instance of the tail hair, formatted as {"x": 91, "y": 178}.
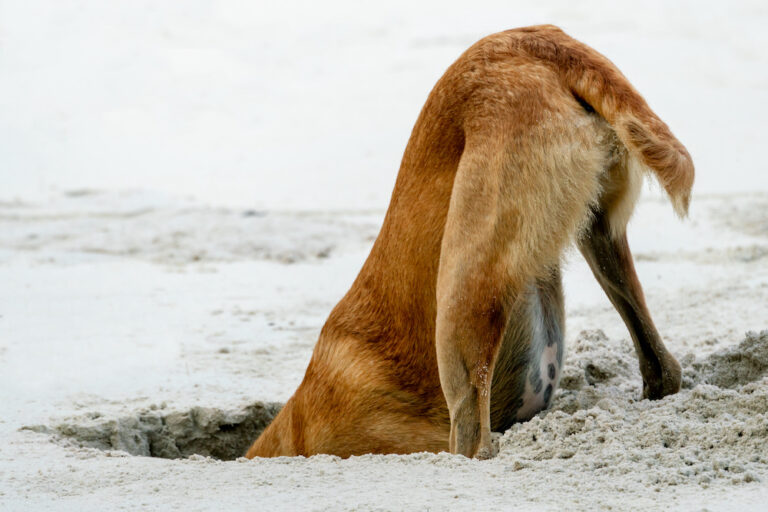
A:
{"x": 596, "y": 80}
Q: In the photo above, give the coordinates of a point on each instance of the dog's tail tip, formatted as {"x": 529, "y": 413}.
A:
{"x": 666, "y": 157}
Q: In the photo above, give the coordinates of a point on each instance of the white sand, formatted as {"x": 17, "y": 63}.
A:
{"x": 287, "y": 127}
{"x": 95, "y": 332}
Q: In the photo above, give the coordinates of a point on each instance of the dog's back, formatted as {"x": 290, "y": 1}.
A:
{"x": 577, "y": 136}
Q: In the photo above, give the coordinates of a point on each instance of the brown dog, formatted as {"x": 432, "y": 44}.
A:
{"x": 454, "y": 326}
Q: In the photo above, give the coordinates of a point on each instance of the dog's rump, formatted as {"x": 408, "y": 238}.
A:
{"x": 595, "y": 80}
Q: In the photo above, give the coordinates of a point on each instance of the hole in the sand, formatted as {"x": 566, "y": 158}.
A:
{"x": 210, "y": 432}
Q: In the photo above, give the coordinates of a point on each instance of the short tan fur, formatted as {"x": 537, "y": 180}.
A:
{"x": 530, "y": 142}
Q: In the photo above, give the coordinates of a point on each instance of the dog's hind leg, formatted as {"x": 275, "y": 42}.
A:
{"x": 475, "y": 291}
{"x": 606, "y": 250}
{"x": 515, "y": 206}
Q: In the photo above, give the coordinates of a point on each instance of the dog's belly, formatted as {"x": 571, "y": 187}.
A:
{"x": 529, "y": 364}
{"x": 543, "y": 373}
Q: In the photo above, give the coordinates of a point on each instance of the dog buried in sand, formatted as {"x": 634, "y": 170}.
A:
{"x": 454, "y": 327}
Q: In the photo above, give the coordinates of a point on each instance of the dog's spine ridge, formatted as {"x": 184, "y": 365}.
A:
{"x": 597, "y": 81}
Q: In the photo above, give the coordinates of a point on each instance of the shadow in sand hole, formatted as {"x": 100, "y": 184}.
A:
{"x": 206, "y": 431}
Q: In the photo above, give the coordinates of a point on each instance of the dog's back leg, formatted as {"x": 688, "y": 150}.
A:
{"x": 519, "y": 195}
{"x": 606, "y": 250}
{"x": 475, "y": 290}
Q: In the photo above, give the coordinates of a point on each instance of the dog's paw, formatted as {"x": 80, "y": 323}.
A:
{"x": 484, "y": 454}
{"x": 489, "y": 452}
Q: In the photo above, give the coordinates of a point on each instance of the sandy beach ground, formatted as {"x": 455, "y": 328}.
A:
{"x": 187, "y": 192}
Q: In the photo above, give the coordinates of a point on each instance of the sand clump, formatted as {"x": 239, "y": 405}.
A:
{"x": 732, "y": 367}
{"x": 715, "y": 428}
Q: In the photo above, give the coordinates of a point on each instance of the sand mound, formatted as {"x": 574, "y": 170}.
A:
{"x": 716, "y": 429}
{"x": 733, "y": 366}
{"x": 203, "y": 431}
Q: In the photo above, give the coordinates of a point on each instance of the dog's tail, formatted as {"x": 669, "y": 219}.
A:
{"x": 595, "y": 80}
